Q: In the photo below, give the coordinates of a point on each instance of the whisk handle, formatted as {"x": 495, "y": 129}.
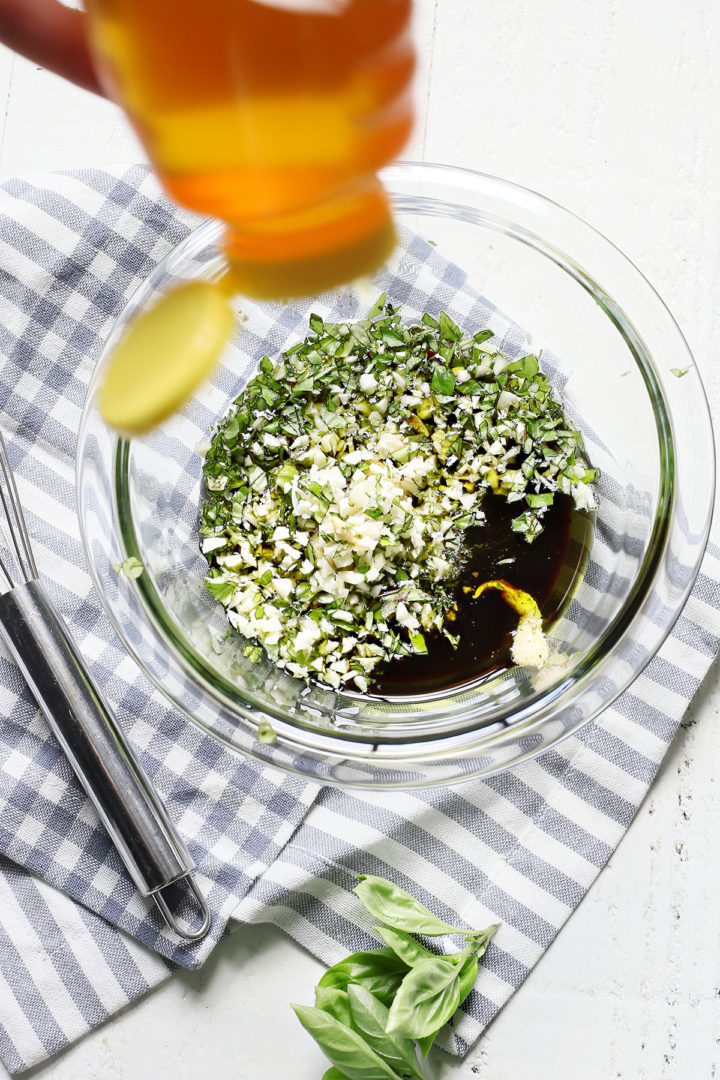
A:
{"x": 103, "y": 761}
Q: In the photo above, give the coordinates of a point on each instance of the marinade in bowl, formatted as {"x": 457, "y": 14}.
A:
{"x": 372, "y": 494}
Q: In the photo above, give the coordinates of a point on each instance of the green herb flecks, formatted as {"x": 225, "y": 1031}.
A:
{"x": 340, "y": 487}
{"x": 266, "y": 733}
{"x": 130, "y": 567}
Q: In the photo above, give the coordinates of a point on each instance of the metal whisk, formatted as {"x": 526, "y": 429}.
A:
{"x": 103, "y": 761}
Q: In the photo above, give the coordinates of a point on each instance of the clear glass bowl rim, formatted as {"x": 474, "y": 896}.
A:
{"x": 320, "y": 747}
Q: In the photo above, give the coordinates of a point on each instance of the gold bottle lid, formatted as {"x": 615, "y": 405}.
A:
{"x": 165, "y": 355}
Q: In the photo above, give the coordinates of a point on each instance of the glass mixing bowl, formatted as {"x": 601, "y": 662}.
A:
{"x": 464, "y": 235}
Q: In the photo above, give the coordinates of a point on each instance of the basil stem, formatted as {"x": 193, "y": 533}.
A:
{"x": 405, "y": 946}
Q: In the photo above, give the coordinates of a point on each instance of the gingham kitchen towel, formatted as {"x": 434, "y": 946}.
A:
{"x": 521, "y": 848}
{"x": 73, "y": 249}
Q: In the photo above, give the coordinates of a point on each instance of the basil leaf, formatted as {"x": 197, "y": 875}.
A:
{"x": 334, "y": 1002}
{"x": 427, "y": 998}
{"x": 380, "y": 971}
{"x": 370, "y": 1018}
{"x": 466, "y": 981}
{"x": 468, "y": 975}
{"x": 347, "y": 1050}
{"x": 409, "y": 950}
{"x": 448, "y": 328}
{"x": 398, "y": 909}
{"x": 443, "y": 381}
{"x": 334, "y": 1074}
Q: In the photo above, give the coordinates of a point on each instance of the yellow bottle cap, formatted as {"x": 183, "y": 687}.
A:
{"x": 164, "y": 356}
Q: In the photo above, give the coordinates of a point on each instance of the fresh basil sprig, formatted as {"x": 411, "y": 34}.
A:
{"x": 376, "y": 1009}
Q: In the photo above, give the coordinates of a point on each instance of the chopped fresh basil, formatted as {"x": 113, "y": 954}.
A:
{"x": 356, "y": 462}
{"x": 130, "y": 567}
{"x": 443, "y": 381}
{"x": 266, "y": 733}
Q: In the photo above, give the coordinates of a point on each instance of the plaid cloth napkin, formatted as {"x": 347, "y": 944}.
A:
{"x": 75, "y": 939}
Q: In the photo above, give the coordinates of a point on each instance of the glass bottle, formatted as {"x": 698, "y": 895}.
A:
{"x": 272, "y": 115}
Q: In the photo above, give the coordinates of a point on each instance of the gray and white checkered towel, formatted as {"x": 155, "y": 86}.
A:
{"x": 521, "y": 848}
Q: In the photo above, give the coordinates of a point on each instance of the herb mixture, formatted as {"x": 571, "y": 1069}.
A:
{"x": 342, "y": 482}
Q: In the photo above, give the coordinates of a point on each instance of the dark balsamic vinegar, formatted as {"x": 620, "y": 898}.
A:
{"x": 547, "y": 569}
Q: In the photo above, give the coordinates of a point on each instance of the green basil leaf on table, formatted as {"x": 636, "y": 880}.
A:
{"x": 335, "y": 1002}
{"x": 428, "y": 996}
{"x": 370, "y": 1019}
{"x": 347, "y": 1050}
{"x": 334, "y": 1074}
{"x": 379, "y": 970}
{"x": 468, "y": 975}
{"x": 399, "y": 910}
{"x": 409, "y": 950}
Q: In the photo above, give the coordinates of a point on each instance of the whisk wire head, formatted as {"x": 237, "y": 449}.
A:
{"x": 16, "y": 527}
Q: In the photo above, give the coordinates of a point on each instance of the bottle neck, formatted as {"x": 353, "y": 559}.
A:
{"x": 314, "y": 249}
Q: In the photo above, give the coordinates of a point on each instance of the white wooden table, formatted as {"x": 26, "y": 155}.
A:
{"x": 613, "y": 110}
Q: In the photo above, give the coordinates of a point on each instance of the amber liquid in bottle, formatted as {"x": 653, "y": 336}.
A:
{"x": 273, "y": 117}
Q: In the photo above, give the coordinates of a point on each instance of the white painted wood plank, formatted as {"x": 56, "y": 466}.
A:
{"x": 612, "y": 110}
{"x": 47, "y": 123}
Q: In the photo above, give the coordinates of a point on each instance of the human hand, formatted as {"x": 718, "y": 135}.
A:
{"x": 52, "y": 35}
